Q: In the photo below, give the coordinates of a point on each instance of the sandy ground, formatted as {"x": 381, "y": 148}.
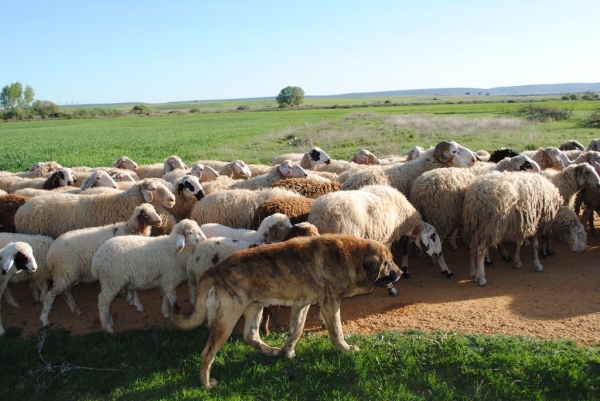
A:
{"x": 563, "y": 301}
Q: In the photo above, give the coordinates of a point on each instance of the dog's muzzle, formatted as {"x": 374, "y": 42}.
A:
{"x": 389, "y": 280}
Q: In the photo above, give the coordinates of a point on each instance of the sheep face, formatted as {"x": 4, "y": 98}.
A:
{"x": 278, "y": 231}
{"x": 500, "y": 154}
{"x": 241, "y": 169}
{"x": 594, "y": 160}
{"x": 148, "y": 216}
{"x": 454, "y": 155}
{"x": 125, "y": 163}
{"x": 558, "y": 158}
{"x": 594, "y": 145}
{"x": 173, "y": 163}
{"x": 188, "y": 234}
{"x": 19, "y": 255}
{"x": 587, "y": 177}
{"x": 318, "y": 156}
{"x": 210, "y": 174}
{"x": 364, "y": 157}
{"x": 154, "y": 190}
{"x": 190, "y": 187}
{"x": 524, "y": 163}
{"x": 414, "y": 153}
{"x": 292, "y": 170}
{"x": 122, "y": 177}
{"x": 429, "y": 241}
{"x": 99, "y": 178}
{"x": 63, "y": 177}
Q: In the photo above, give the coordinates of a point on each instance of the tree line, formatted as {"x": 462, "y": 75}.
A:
{"x": 19, "y": 103}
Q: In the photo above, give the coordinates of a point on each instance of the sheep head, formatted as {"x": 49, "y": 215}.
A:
{"x": 524, "y": 163}
{"x": 318, "y": 156}
{"x": 147, "y": 216}
{"x": 125, "y": 163}
{"x": 188, "y": 233}
{"x": 277, "y": 227}
{"x": 19, "y": 255}
{"x": 173, "y": 163}
{"x": 288, "y": 169}
{"x": 594, "y": 145}
{"x": 428, "y": 239}
{"x": 189, "y": 186}
{"x": 454, "y": 155}
{"x": 154, "y": 191}
{"x": 587, "y": 177}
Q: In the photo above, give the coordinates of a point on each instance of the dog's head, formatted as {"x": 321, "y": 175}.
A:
{"x": 379, "y": 264}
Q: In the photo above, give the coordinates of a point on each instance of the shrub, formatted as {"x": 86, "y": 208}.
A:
{"x": 593, "y": 121}
{"x": 243, "y": 107}
{"x": 565, "y": 97}
{"x": 544, "y": 114}
{"x": 141, "y": 109}
{"x": 587, "y": 97}
{"x": 194, "y": 110}
{"x": 573, "y": 97}
{"x": 387, "y": 102}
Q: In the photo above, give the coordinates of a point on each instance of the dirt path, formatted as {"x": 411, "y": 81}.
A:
{"x": 563, "y": 301}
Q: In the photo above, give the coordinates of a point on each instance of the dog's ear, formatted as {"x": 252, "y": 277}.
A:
{"x": 372, "y": 264}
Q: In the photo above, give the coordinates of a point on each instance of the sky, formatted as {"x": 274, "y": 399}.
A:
{"x": 117, "y": 51}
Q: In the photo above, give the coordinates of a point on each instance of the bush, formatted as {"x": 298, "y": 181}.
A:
{"x": 573, "y": 97}
{"x": 141, "y": 109}
{"x": 593, "y": 121}
{"x": 565, "y": 97}
{"x": 587, "y": 97}
{"x": 194, "y": 110}
{"x": 387, "y": 102}
{"x": 243, "y": 107}
{"x": 544, "y": 114}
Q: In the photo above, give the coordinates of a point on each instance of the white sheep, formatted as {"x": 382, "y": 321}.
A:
{"x": 234, "y": 207}
{"x": 501, "y": 207}
{"x": 310, "y": 160}
{"x": 69, "y": 259}
{"x": 445, "y": 154}
{"x": 60, "y": 178}
{"x": 272, "y": 229}
{"x": 157, "y": 170}
{"x": 364, "y": 156}
{"x": 55, "y": 215}
{"x": 572, "y": 179}
{"x": 96, "y": 179}
{"x": 548, "y": 158}
{"x": 125, "y": 163}
{"x": 139, "y": 263}
{"x": 39, "y": 280}
{"x": 286, "y": 169}
{"x": 594, "y": 145}
{"x": 202, "y": 172}
{"x": 15, "y": 258}
{"x": 237, "y": 169}
{"x": 376, "y": 212}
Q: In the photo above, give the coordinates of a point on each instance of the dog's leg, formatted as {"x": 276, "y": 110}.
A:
{"x": 333, "y": 323}
{"x": 219, "y": 331}
{"x": 297, "y": 320}
{"x": 252, "y": 317}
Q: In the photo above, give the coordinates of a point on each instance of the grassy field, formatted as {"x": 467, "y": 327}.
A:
{"x": 257, "y": 137}
{"x": 163, "y": 364}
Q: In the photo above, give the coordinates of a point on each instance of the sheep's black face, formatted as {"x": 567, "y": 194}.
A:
{"x": 526, "y": 166}
{"x": 315, "y": 155}
{"x": 21, "y": 261}
{"x": 200, "y": 194}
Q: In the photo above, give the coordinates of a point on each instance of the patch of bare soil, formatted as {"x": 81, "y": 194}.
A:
{"x": 562, "y": 301}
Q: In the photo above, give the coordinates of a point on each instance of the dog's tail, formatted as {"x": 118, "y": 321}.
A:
{"x": 196, "y": 316}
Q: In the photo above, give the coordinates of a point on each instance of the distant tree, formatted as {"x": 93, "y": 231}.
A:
{"x": 290, "y": 96}
{"x": 480, "y": 93}
{"x": 44, "y": 108}
{"x": 487, "y": 94}
{"x": 573, "y": 97}
{"x": 15, "y": 100}
{"x": 141, "y": 109}
{"x": 468, "y": 93}
{"x": 565, "y": 97}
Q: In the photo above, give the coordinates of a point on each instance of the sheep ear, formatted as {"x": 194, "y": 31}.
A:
{"x": 271, "y": 234}
{"x": 89, "y": 182}
{"x": 8, "y": 263}
{"x": 442, "y": 152}
{"x": 180, "y": 243}
{"x": 167, "y": 166}
{"x": 148, "y": 196}
{"x": 117, "y": 162}
{"x": 285, "y": 171}
{"x": 180, "y": 188}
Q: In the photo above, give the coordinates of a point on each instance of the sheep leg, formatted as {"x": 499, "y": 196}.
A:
{"x": 517, "y": 260}
{"x": 407, "y": 251}
{"x": 264, "y": 323}
{"x": 505, "y": 256}
{"x": 453, "y": 236}
{"x": 536, "y": 259}
{"x": 3, "y": 287}
{"x": 252, "y": 317}
{"x": 297, "y": 320}
{"x": 35, "y": 291}
{"x": 9, "y": 298}
{"x": 472, "y": 261}
{"x": 70, "y": 301}
{"x": 444, "y": 267}
{"x": 480, "y": 254}
{"x": 488, "y": 259}
{"x": 105, "y": 298}
{"x": 588, "y": 216}
{"x": 133, "y": 300}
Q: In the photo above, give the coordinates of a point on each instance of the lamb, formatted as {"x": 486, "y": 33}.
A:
{"x": 376, "y": 212}
{"x": 69, "y": 258}
{"x": 59, "y": 178}
{"x": 9, "y": 204}
{"x": 499, "y": 207}
{"x": 309, "y": 187}
{"x": 297, "y": 208}
{"x": 272, "y": 229}
{"x": 157, "y": 170}
{"x": 445, "y": 154}
{"x": 140, "y": 263}
{"x": 548, "y": 158}
{"x": 39, "y": 280}
{"x": 15, "y": 258}
{"x": 234, "y": 207}
{"x": 55, "y": 215}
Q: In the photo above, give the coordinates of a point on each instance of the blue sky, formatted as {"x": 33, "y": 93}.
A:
{"x": 109, "y": 51}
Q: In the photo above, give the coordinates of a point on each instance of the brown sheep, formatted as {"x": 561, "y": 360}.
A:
{"x": 308, "y": 187}
{"x": 296, "y": 208}
{"x": 9, "y": 205}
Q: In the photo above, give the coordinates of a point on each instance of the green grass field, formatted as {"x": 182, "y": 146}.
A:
{"x": 164, "y": 364}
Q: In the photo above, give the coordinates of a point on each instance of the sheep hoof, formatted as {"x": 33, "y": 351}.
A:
{"x": 488, "y": 263}
{"x": 539, "y": 268}
{"x": 393, "y": 292}
{"x": 78, "y": 311}
{"x": 448, "y": 274}
{"x": 507, "y": 259}
{"x": 482, "y": 281}
{"x": 405, "y": 273}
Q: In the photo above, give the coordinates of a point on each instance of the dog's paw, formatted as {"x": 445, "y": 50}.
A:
{"x": 353, "y": 348}
{"x": 212, "y": 383}
{"x": 288, "y": 353}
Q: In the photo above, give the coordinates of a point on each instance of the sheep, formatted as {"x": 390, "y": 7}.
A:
{"x": 234, "y": 207}
{"x": 438, "y": 195}
{"x": 590, "y": 157}
{"x": 38, "y": 281}
{"x": 363, "y": 156}
{"x": 548, "y": 158}
{"x": 37, "y": 170}
{"x": 592, "y": 203}
{"x": 376, "y": 212}
{"x": 139, "y": 263}
{"x": 125, "y": 163}
{"x": 237, "y": 170}
{"x": 203, "y": 173}
{"x": 9, "y": 204}
{"x": 571, "y": 145}
{"x": 445, "y": 154}
{"x": 60, "y": 178}
{"x": 15, "y": 258}
{"x": 309, "y": 160}
{"x": 483, "y": 155}
{"x": 98, "y": 178}
{"x": 572, "y": 179}
{"x": 55, "y": 215}
{"x": 499, "y": 207}
{"x": 413, "y": 153}
{"x": 69, "y": 258}
{"x": 309, "y": 187}
{"x": 594, "y": 145}
{"x": 501, "y": 154}
{"x": 157, "y": 170}
{"x": 297, "y": 208}
{"x": 567, "y": 220}
{"x": 272, "y": 229}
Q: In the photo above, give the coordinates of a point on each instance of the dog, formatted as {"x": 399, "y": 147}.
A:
{"x": 303, "y": 271}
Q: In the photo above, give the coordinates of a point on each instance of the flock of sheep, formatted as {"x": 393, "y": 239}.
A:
{"x": 134, "y": 227}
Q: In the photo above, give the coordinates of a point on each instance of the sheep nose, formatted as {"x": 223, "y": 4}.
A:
{"x": 328, "y": 161}
{"x": 199, "y": 195}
